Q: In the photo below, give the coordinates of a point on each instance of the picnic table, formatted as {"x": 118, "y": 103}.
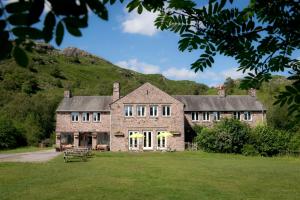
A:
{"x": 77, "y": 153}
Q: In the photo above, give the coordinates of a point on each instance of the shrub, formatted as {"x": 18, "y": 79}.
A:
{"x": 294, "y": 144}
{"x": 249, "y": 150}
{"x": 206, "y": 139}
{"x": 227, "y": 136}
{"x": 10, "y": 136}
{"x": 269, "y": 141}
{"x": 232, "y": 135}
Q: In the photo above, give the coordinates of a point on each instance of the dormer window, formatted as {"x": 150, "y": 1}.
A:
{"x": 85, "y": 117}
{"x": 74, "y": 116}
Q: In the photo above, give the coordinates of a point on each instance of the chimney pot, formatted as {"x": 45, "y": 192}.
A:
{"x": 67, "y": 94}
{"x": 221, "y": 91}
{"x": 116, "y": 91}
{"x": 252, "y": 92}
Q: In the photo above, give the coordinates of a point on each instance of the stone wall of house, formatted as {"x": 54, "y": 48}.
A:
{"x": 258, "y": 117}
{"x": 146, "y": 95}
{"x": 65, "y": 124}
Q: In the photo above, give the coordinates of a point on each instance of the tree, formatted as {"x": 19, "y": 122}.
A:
{"x": 229, "y": 85}
{"x": 261, "y": 37}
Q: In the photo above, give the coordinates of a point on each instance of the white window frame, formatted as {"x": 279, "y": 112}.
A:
{"x": 206, "y": 116}
{"x": 96, "y": 117}
{"x": 246, "y": 115}
{"x": 160, "y": 140}
{"x": 155, "y": 111}
{"x": 139, "y": 109}
{"x": 164, "y": 111}
{"x": 127, "y": 110}
{"x": 75, "y": 114}
{"x": 133, "y": 141}
{"x": 85, "y": 117}
{"x": 146, "y": 139}
{"x": 195, "y": 114}
{"x": 236, "y": 115}
{"x": 217, "y": 116}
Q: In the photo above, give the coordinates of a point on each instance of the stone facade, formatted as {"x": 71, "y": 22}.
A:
{"x": 258, "y": 117}
{"x": 147, "y": 95}
{"x": 114, "y": 127}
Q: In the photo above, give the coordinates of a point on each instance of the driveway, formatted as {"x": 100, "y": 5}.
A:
{"x": 37, "y": 156}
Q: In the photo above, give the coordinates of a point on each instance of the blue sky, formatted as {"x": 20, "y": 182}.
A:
{"x": 131, "y": 41}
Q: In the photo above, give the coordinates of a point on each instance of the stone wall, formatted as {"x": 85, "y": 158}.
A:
{"x": 257, "y": 118}
{"x": 146, "y": 95}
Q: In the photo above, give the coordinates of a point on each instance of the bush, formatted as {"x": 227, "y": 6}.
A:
{"x": 294, "y": 144}
{"x": 227, "y": 136}
{"x": 206, "y": 139}
{"x": 249, "y": 150}
{"x": 269, "y": 141}
{"x": 10, "y": 136}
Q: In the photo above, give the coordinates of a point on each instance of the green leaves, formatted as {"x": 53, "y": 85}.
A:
{"x": 98, "y": 8}
{"x": 49, "y": 25}
{"x": 20, "y": 56}
{"x": 59, "y": 33}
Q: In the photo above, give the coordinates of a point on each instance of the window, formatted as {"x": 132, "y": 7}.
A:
{"x": 128, "y": 111}
{"x": 133, "y": 142}
{"x": 237, "y": 115}
{"x": 141, "y": 111}
{"x": 217, "y": 116}
{"x": 85, "y": 117}
{"x": 205, "y": 116}
{"x": 161, "y": 141}
{"x": 67, "y": 138}
{"x": 195, "y": 116}
{"x": 247, "y": 116}
{"x": 153, "y": 111}
{"x": 166, "y": 111}
{"x": 96, "y": 117}
{"x": 75, "y": 116}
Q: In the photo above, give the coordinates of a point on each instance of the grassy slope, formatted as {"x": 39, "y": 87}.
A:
{"x": 182, "y": 175}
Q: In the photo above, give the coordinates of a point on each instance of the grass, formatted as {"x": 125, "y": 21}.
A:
{"x": 182, "y": 175}
{"x": 24, "y": 149}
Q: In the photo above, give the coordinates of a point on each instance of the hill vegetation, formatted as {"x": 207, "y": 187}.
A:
{"x": 29, "y": 96}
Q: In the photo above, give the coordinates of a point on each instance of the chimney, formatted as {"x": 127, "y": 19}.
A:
{"x": 221, "y": 91}
{"x": 67, "y": 94}
{"x": 116, "y": 91}
{"x": 252, "y": 92}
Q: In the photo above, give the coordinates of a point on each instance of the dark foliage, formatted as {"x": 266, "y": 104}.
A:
{"x": 10, "y": 136}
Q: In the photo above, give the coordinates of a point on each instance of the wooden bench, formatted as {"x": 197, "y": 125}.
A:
{"x": 81, "y": 153}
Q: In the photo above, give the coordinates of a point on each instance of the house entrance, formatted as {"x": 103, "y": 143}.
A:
{"x": 85, "y": 139}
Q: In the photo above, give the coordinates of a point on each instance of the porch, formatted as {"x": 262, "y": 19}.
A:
{"x": 93, "y": 140}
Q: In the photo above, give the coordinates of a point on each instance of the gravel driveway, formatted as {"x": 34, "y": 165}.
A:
{"x": 37, "y": 156}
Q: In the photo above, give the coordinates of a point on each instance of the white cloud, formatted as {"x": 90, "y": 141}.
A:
{"x": 136, "y": 65}
{"x": 209, "y": 77}
{"x": 140, "y": 23}
{"x": 232, "y": 73}
{"x": 180, "y": 74}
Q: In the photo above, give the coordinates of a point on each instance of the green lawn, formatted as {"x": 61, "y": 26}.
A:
{"x": 182, "y": 175}
{"x": 24, "y": 149}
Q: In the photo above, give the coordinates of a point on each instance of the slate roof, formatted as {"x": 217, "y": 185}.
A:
{"x": 191, "y": 102}
{"x": 85, "y": 103}
{"x": 216, "y": 103}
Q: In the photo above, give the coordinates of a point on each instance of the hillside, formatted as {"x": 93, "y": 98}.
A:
{"x": 29, "y": 96}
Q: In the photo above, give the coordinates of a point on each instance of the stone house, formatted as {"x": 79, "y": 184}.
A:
{"x": 110, "y": 120}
